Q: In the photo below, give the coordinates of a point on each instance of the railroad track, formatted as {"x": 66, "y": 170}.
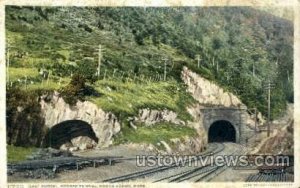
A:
{"x": 215, "y": 148}
{"x": 202, "y": 173}
{"x": 190, "y": 174}
{"x": 270, "y": 177}
{"x": 219, "y": 169}
{"x": 62, "y": 163}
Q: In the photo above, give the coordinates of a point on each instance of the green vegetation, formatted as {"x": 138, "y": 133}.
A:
{"x": 126, "y": 98}
{"x": 24, "y": 118}
{"x": 50, "y": 85}
{"x": 56, "y": 48}
{"x": 30, "y": 79}
{"x": 230, "y": 41}
{"x": 75, "y": 90}
{"x": 21, "y": 73}
{"x": 17, "y": 154}
{"x": 154, "y": 134}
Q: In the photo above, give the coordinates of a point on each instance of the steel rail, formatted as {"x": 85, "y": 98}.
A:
{"x": 144, "y": 173}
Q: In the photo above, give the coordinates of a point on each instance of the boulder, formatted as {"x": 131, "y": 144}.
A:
{"x": 66, "y": 146}
{"x": 83, "y": 142}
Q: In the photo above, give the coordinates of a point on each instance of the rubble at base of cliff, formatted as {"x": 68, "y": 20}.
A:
{"x": 47, "y": 153}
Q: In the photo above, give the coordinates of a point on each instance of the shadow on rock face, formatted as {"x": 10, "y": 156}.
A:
{"x": 71, "y": 131}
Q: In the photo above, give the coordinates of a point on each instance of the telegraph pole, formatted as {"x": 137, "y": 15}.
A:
{"x": 165, "y": 68}
{"x": 198, "y": 60}
{"x": 268, "y": 87}
{"x": 104, "y": 75}
{"x": 255, "y": 131}
{"x": 48, "y": 77}
{"x": 100, "y": 51}
{"x": 26, "y": 82}
{"x": 114, "y": 73}
{"x": 269, "y": 107}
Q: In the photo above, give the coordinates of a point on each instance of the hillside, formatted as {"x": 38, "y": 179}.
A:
{"x": 238, "y": 48}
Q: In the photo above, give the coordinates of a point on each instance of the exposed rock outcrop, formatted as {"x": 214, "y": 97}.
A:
{"x": 210, "y": 94}
{"x": 104, "y": 124}
{"x": 206, "y": 92}
{"x": 188, "y": 145}
{"x": 175, "y": 146}
{"x": 151, "y": 116}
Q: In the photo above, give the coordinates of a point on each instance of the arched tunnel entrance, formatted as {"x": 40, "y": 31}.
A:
{"x": 221, "y": 131}
{"x": 64, "y": 132}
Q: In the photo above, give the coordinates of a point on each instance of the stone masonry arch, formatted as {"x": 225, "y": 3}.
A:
{"x": 237, "y": 117}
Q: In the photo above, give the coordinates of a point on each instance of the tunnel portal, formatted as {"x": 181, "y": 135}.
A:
{"x": 64, "y": 132}
{"x": 221, "y": 131}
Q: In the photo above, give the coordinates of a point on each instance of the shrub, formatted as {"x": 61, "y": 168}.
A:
{"x": 87, "y": 68}
{"x": 74, "y": 90}
{"x": 77, "y": 90}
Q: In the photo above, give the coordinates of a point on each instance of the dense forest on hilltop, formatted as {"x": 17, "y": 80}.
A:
{"x": 240, "y": 48}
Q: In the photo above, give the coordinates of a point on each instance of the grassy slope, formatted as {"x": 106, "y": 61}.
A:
{"x": 127, "y": 97}
{"x": 154, "y": 134}
{"x": 16, "y": 154}
{"x": 21, "y": 73}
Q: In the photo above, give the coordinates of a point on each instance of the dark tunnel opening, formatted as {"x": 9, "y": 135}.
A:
{"x": 64, "y": 132}
{"x": 221, "y": 131}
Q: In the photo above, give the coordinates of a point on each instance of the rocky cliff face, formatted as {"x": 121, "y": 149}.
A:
{"x": 187, "y": 145}
{"x": 104, "y": 124}
{"x": 55, "y": 110}
{"x": 210, "y": 94}
{"x": 184, "y": 146}
{"x": 206, "y": 92}
{"x": 151, "y": 116}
